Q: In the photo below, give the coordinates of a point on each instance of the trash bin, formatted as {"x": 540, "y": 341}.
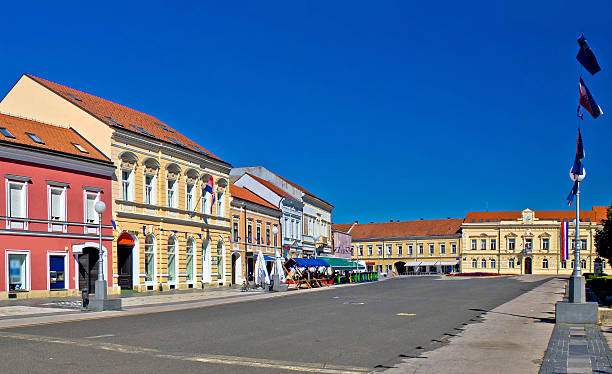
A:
{"x": 85, "y": 297}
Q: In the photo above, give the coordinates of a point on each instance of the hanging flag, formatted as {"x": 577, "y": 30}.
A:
{"x": 580, "y": 113}
{"x": 114, "y": 224}
{"x": 144, "y": 230}
{"x": 587, "y": 101}
{"x": 570, "y": 197}
{"x": 564, "y": 240}
{"x": 210, "y": 188}
{"x": 586, "y": 57}
{"x": 577, "y": 168}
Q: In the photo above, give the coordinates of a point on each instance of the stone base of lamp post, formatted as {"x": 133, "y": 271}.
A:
{"x": 100, "y": 301}
{"x": 278, "y": 286}
{"x": 581, "y": 313}
{"x": 577, "y": 291}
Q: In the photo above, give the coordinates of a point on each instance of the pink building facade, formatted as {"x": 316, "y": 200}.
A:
{"x": 49, "y": 238}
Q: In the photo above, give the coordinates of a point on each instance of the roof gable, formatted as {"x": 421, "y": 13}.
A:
{"x": 244, "y": 194}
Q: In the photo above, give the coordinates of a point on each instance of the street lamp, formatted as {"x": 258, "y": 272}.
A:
{"x": 577, "y": 287}
{"x": 275, "y": 231}
{"x": 316, "y": 239}
{"x": 276, "y": 276}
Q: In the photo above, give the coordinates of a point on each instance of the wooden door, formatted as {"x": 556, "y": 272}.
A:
{"x": 528, "y": 265}
{"x": 124, "y": 265}
{"x": 88, "y": 269}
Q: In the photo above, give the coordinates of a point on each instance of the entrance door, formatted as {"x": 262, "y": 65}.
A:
{"x": 88, "y": 269}
{"x": 57, "y": 273}
{"x": 250, "y": 266}
{"x": 124, "y": 265}
{"x": 528, "y": 265}
{"x": 234, "y": 268}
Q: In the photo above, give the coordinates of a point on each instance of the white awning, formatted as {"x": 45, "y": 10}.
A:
{"x": 431, "y": 263}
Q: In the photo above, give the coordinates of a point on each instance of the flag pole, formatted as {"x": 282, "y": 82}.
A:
{"x": 577, "y": 268}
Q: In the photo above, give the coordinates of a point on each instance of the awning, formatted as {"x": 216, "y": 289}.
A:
{"x": 431, "y": 263}
{"x": 268, "y": 258}
{"x": 340, "y": 263}
{"x": 306, "y": 262}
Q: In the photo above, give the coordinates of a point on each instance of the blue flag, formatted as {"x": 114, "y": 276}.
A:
{"x": 587, "y": 100}
{"x": 573, "y": 192}
{"x": 577, "y": 168}
{"x": 586, "y": 57}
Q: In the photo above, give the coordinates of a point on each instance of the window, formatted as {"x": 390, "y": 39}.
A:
{"x": 258, "y": 234}
{"x": 79, "y": 147}
{"x": 275, "y": 238}
{"x": 389, "y": 249}
{"x": 267, "y": 235}
{"x": 442, "y": 248}
{"x": 6, "y": 133}
{"x": 164, "y": 127}
{"x": 74, "y": 97}
{"x": 545, "y": 243}
{"x": 379, "y": 250}
{"x": 573, "y": 264}
{"x": 474, "y": 243}
{"x": 57, "y": 207}
{"x": 544, "y": 264}
{"x": 369, "y": 250}
{"x": 142, "y": 130}
{"x": 126, "y": 185}
{"x": 221, "y": 204}
{"x": 172, "y": 198}
{"x": 149, "y": 250}
{"x": 409, "y": 249}
{"x": 250, "y": 232}
{"x": 90, "y": 214}
{"x": 421, "y": 247}
{"x": 235, "y": 231}
{"x": 583, "y": 264}
{"x": 17, "y": 204}
{"x": 360, "y": 248}
{"x": 494, "y": 244}
{"x": 493, "y": 263}
{"x": 18, "y": 277}
{"x": 190, "y": 196}
{"x": 528, "y": 244}
{"x": 431, "y": 249}
{"x": 483, "y": 243}
{"x": 511, "y": 263}
{"x": 35, "y": 138}
{"x": 511, "y": 244}
{"x": 483, "y": 263}
{"x": 150, "y": 190}
{"x": 475, "y": 263}
{"x": 399, "y": 249}
{"x": 175, "y": 141}
{"x": 453, "y": 248}
{"x": 189, "y": 260}
{"x": 113, "y": 121}
{"x": 563, "y": 264}
{"x": 583, "y": 244}
{"x": 219, "y": 261}
{"x": 172, "y": 244}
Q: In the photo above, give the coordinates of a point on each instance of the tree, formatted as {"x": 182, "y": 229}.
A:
{"x": 603, "y": 238}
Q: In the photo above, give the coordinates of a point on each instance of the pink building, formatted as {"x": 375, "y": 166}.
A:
{"x": 48, "y": 226}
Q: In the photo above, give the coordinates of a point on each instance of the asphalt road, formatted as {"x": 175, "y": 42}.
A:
{"x": 351, "y": 329}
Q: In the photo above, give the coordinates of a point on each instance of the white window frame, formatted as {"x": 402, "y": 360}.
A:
{"x": 190, "y": 196}
{"x": 379, "y": 250}
{"x": 483, "y": 263}
{"x": 172, "y": 201}
{"x": 51, "y": 226}
{"x": 493, "y": 263}
{"x": 410, "y": 246}
{"x": 494, "y": 244}
{"x": 154, "y": 245}
{"x": 193, "y": 260}
{"x": 221, "y": 204}
{"x": 442, "y": 248}
{"x": 483, "y": 244}
{"x": 544, "y": 263}
{"x": 21, "y": 225}
{"x": 511, "y": 263}
{"x": 130, "y": 185}
{"x": 28, "y": 271}
{"x": 399, "y": 250}
{"x": 360, "y": 250}
{"x": 389, "y": 249}
{"x": 547, "y": 241}
{"x": 474, "y": 263}
{"x": 421, "y": 249}
{"x": 432, "y": 249}
{"x": 176, "y": 260}
{"x": 66, "y": 268}
{"x": 474, "y": 244}
{"x": 94, "y": 228}
{"x": 513, "y": 242}
{"x": 153, "y": 192}
{"x": 370, "y": 250}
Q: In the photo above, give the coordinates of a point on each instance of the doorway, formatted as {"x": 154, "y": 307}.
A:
{"x": 236, "y": 267}
{"x": 527, "y": 265}
{"x": 57, "y": 272}
{"x": 88, "y": 269}
{"x": 400, "y": 268}
{"x": 125, "y": 246}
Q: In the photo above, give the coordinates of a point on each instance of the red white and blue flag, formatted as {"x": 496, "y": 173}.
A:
{"x": 210, "y": 188}
{"x": 587, "y": 101}
{"x": 564, "y": 240}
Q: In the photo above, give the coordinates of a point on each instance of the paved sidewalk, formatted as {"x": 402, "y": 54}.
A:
{"x": 511, "y": 339}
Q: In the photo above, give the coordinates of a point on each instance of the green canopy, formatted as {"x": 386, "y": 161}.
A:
{"x": 340, "y": 263}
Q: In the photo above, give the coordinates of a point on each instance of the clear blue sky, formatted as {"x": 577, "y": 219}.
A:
{"x": 388, "y": 110}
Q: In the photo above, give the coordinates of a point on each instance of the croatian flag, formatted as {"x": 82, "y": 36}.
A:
{"x": 586, "y": 57}
{"x": 587, "y": 101}
{"x": 564, "y": 240}
{"x": 210, "y": 188}
{"x": 577, "y": 168}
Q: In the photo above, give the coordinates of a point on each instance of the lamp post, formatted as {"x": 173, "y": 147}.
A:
{"x": 316, "y": 240}
{"x": 577, "y": 287}
{"x": 100, "y": 290}
{"x": 276, "y": 276}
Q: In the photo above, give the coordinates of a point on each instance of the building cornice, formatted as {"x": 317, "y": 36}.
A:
{"x": 175, "y": 221}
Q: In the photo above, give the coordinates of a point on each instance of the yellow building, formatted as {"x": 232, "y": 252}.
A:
{"x": 526, "y": 242}
{"x": 169, "y": 231}
{"x": 407, "y": 247}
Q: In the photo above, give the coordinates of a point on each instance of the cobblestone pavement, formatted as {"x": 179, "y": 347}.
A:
{"x": 577, "y": 349}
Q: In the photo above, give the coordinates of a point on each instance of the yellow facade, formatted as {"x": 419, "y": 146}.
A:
{"x": 527, "y": 245}
{"x": 393, "y": 256}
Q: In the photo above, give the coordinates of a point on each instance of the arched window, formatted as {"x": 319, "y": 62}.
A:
{"x": 573, "y": 264}
{"x": 483, "y": 263}
{"x": 475, "y": 263}
{"x": 563, "y": 264}
{"x": 583, "y": 264}
{"x": 149, "y": 249}
{"x": 219, "y": 260}
{"x": 189, "y": 259}
{"x": 544, "y": 264}
{"x": 493, "y": 263}
{"x": 172, "y": 244}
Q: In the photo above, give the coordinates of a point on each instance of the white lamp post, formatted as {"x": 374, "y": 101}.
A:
{"x": 577, "y": 285}
{"x": 275, "y": 231}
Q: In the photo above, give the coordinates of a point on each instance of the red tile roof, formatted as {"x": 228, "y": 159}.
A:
{"x": 595, "y": 215}
{"x": 343, "y": 227}
{"x": 55, "y": 138}
{"x": 244, "y": 194}
{"x": 271, "y": 187}
{"x": 112, "y": 113}
{"x": 429, "y": 227}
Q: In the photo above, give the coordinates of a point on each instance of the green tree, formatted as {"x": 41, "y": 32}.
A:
{"x": 603, "y": 238}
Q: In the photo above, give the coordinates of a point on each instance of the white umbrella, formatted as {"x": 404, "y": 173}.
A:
{"x": 277, "y": 268}
{"x": 261, "y": 272}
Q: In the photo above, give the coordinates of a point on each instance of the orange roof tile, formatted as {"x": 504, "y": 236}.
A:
{"x": 119, "y": 116}
{"x": 244, "y": 194}
{"x": 594, "y": 215}
{"x": 271, "y": 187}
{"x": 343, "y": 227}
{"x": 429, "y": 227}
{"x": 55, "y": 138}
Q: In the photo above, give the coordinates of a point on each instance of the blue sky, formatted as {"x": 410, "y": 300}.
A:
{"x": 388, "y": 110}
